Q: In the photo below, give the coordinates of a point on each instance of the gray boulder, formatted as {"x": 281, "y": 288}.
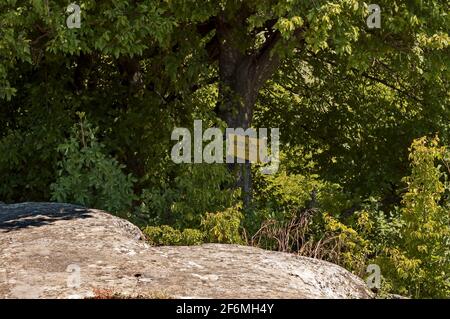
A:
{"x": 50, "y": 250}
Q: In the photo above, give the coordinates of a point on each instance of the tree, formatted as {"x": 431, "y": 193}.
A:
{"x": 159, "y": 55}
{"x": 349, "y": 100}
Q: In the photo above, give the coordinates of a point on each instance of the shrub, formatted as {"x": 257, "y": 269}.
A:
{"x": 346, "y": 245}
{"x": 28, "y": 160}
{"x": 220, "y": 227}
{"x": 419, "y": 265}
{"x": 166, "y": 235}
{"x": 318, "y": 235}
{"x": 191, "y": 237}
{"x": 223, "y": 227}
{"x": 182, "y": 203}
{"x": 89, "y": 177}
{"x": 285, "y": 196}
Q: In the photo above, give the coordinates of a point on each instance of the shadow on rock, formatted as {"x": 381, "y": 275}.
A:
{"x": 24, "y": 215}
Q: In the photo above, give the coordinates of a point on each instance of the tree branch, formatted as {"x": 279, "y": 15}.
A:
{"x": 376, "y": 79}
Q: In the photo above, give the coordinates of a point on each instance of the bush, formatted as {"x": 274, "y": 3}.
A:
{"x": 166, "y": 235}
{"x": 220, "y": 227}
{"x": 89, "y": 177}
{"x": 318, "y": 235}
{"x": 419, "y": 265}
{"x": 191, "y": 237}
{"x": 286, "y": 195}
{"x": 223, "y": 227}
{"x": 182, "y": 203}
{"x": 346, "y": 245}
{"x": 28, "y": 160}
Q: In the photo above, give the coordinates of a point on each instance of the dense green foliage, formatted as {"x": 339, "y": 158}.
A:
{"x": 166, "y": 235}
{"x": 87, "y": 115}
{"x": 410, "y": 241}
{"x": 218, "y": 227}
{"x": 86, "y": 176}
{"x": 420, "y": 262}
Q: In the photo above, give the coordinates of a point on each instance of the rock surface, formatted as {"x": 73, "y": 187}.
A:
{"x": 50, "y": 250}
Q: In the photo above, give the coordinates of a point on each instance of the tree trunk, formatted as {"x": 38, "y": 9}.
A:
{"x": 241, "y": 77}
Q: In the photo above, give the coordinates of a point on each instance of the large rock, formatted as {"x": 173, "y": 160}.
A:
{"x": 44, "y": 246}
